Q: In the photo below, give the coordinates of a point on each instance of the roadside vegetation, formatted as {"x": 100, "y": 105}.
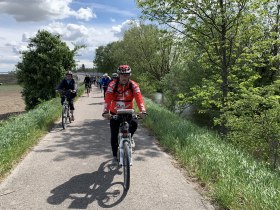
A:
{"x": 20, "y": 133}
{"x": 232, "y": 179}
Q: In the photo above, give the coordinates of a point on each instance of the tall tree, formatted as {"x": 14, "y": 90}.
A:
{"x": 151, "y": 50}
{"x": 148, "y": 51}
{"x": 213, "y": 26}
{"x": 105, "y": 57}
{"x": 42, "y": 67}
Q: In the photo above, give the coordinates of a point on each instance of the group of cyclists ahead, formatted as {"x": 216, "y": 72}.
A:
{"x": 119, "y": 93}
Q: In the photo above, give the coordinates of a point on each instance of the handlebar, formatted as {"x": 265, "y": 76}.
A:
{"x": 124, "y": 112}
{"x": 66, "y": 93}
{"x": 116, "y": 117}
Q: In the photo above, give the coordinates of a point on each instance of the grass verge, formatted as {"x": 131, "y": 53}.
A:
{"x": 19, "y": 133}
{"x": 233, "y": 179}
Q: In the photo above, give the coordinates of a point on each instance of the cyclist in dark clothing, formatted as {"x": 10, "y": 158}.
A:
{"x": 87, "y": 82}
{"x": 68, "y": 84}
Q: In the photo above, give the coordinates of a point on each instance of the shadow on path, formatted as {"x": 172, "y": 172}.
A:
{"x": 92, "y": 138}
{"x": 86, "y": 188}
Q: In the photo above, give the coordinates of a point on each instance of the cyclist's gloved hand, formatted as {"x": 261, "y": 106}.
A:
{"x": 143, "y": 115}
{"x": 106, "y": 115}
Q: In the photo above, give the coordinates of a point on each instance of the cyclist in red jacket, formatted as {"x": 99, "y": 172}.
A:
{"x": 120, "y": 95}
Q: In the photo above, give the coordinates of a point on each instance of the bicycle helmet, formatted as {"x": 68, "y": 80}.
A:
{"x": 115, "y": 75}
{"x": 69, "y": 73}
{"x": 124, "y": 69}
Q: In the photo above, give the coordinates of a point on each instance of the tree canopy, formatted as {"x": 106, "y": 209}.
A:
{"x": 43, "y": 66}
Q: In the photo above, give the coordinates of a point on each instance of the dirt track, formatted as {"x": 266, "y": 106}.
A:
{"x": 72, "y": 169}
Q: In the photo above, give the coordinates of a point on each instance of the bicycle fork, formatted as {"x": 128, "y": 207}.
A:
{"x": 121, "y": 141}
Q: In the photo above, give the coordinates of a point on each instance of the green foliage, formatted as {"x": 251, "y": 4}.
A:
{"x": 253, "y": 119}
{"x": 146, "y": 49}
{"x": 146, "y": 85}
{"x": 106, "y": 57}
{"x": 177, "y": 84}
{"x": 42, "y": 67}
{"x": 212, "y": 28}
{"x": 238, "y": 47}
{"x": 18, "y": 134}
{"x": 233, "y": 179}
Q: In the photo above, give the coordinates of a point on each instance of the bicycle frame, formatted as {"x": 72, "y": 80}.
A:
{"x": 124, "y": 136}
{"x": 66, "y": 105}
{"x": 65, "y": 110}
{"x": 123, "y": 139}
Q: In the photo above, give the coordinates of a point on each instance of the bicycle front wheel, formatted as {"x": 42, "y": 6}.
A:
{"x": 63, "y": 117}
{"x": 126, "y": 166}
{"x": 88, "y": 91}
{"x": 69, "y": 115}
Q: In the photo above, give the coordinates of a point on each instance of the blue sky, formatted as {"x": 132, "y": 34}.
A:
{"x": 90, "y": 22}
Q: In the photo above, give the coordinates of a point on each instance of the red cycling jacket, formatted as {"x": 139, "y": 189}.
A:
{"x": 123, "y": 97}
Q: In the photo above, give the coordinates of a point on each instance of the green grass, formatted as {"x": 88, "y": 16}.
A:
{"x": 233, "y": 180}
{"x": 10, "y": 88}
{"x": 18, "y": 134}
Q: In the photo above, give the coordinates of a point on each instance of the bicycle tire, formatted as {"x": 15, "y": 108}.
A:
{"x": 88, "y": 91}
{"x": 69, "y": 115}
{"x": 63, "y": 118}
{"x": 126, "y": 166}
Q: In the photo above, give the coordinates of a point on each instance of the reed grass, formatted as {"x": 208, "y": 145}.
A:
{"x": 233, "y": 180}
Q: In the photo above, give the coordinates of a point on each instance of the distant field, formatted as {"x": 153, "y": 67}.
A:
{"x": 11, "y": 101}
{"x": 10, "y": 88}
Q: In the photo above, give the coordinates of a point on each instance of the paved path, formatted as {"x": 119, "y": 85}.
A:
{"x": 72, "y": 169}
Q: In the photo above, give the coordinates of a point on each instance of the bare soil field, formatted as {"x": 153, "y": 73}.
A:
{"x": 11, "y": 101}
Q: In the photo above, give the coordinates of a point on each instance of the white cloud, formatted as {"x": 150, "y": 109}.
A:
{"x": 41, "y": 10}
{"x": 120, "y": 29}
{"x": 85, "y": 14}
{"x": 69, "y": 32}
{"x": 8, "y": 62}
{"x": 16, "y": 47}
{"x": 15, "y": 35}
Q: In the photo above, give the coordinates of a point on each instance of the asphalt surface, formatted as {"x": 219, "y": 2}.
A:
{"x": 72, "y": 169}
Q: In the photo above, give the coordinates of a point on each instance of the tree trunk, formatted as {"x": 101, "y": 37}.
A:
{"x": 224, "y": 67}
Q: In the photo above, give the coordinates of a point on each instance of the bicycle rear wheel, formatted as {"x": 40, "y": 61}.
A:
{"x": 126, "y": 166}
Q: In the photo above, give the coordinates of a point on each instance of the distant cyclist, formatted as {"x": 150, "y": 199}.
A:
{"x": 115, "y": 77}
{"x": 68, "y": 85}
{"x": 87, "y": 81}
{"x": 105, "y": 82}
{"x": 120, "y": 95}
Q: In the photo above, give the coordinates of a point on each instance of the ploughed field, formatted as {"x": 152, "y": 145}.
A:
{"x": 11, "y": 101}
